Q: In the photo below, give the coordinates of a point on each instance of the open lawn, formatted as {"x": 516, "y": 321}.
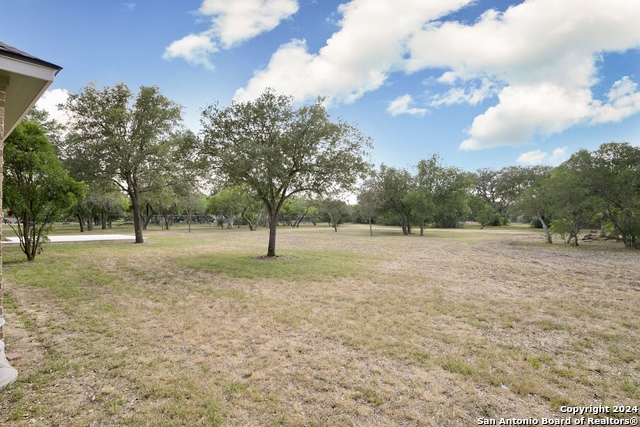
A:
{"x": 196, "y": 329}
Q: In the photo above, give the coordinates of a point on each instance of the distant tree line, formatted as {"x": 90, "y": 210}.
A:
{"x": 599, "y": 188}
{"x": 268, "y": 163}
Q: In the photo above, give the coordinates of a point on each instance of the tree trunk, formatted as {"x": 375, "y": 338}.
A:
{"x": 370, "y": 228}
{"x": 251, "y": 227}
{"x": 403, "y": 222}
{"x": 333, "y": 223}
{"x": 89, "y": 216}
{"x": 81, "y": 221}
{"x": 546, "y": 229}
{"x": 297, "y": 223}
{"x": 103, "y": 218}
{"x": 150, "y": 214}
{"x": 273, "y": 224}
{"x": 137, "y": 219}
{"x": 27, "y": 228}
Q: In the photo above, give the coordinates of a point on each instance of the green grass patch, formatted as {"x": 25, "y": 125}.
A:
{"x": 457, "y": 366}
{"x": 213, "y": 414}
{"x": 9, "y": 302}
{"x": 368, "y": 395}
{"x": 622, "y": 354}
{"x": 631, "y": 387}
{"x": 420, "y": 356}
{"x": 541, "y": 359}
{"x": 549, "y": 325}
{"x": 314, "y": 266}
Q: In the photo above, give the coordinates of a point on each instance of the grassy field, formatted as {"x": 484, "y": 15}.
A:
{"x": 196, "y": 329}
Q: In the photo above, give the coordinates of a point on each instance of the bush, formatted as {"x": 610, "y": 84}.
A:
{"x": 561, "y": 227}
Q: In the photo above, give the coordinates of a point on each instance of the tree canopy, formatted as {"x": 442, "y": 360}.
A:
{"x": 128, "y": 140}
{"x": 36, "y": 187}
{"x": 612, "y": 174}
{"x": 279, "y": 151}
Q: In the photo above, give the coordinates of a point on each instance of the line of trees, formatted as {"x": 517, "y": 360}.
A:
{"x": 118, "y": 142}
{"x": 126, "y": 154}
{"x": 600, "y": 188}
{"x": 592, "y": 189}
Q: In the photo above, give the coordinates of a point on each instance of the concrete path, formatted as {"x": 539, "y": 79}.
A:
{"x": 78, "y": 238}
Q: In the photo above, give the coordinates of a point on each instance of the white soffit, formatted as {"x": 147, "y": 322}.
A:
{"x": 27, "y": 69}
{"x": 25, "y": 83}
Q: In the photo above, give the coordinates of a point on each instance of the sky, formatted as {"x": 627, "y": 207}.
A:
{"x": 484, "y": 83}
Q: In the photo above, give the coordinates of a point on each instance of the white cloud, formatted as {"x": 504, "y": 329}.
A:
{"x": 543, "y": 56}
{"x": 558, "y": 156}
{"x": 357, "y": 59}
{"x": 537, "y": 157}
{"x": 240, "y": 20}
{"x": 472, "y": 94}
{"x": 534, "y": 157}
{"x": 49, "y": 102}
{"x": 232, "y": 22}
{"x": 524, "y": 111}
{"x": 401, "y": 105}
{"x": 540, "y": 57}
{"x": 195, "y": 49}
{"x": 624, "y": 101}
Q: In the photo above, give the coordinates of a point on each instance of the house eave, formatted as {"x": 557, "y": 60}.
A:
{"x": 26, "y": 79}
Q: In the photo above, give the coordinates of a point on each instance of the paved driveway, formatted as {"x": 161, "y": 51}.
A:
{"x": 78, "y": 238}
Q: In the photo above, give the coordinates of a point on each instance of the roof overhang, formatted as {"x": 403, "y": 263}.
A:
{"x": 26, "y": 78}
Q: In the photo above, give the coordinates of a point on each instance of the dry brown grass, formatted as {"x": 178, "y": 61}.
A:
{"x": 196, "y": 329}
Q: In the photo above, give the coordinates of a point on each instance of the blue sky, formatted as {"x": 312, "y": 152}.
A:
{"x": 483, "y": 83}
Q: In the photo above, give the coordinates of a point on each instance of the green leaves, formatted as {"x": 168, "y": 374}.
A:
{"x": 36, "y": 186}
{"x": 130, "y": 142}
{"x": 604, "y": 183}
{"x": 612, "y": 173}
{"x": 279, "y": 151}
{"x": 435, "y": 194}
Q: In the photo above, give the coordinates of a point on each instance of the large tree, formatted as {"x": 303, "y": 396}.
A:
{"x": 500, "y": 189}
{"x": 573, "y": 204}
{"x": 129, "y": 140}
{"x": 230, "y": 202}
{"x": 335, "y": 209}
{"x": 368, "y": 199}
{"x": 614, "y": 176}
{"x": 440, "y": 193}
{"x": 537, "y": 200}
{"x": 279, "y": 151}
{"x": 36, "y": 187}
{"x": 393, "y": 186}
{"x": 297, "y": 209}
